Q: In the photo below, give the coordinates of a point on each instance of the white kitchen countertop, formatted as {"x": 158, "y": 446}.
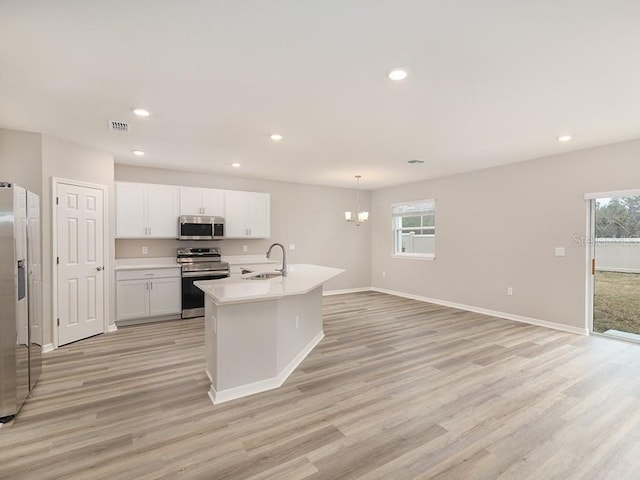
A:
{"x": 146, "y": 263}
{"x": 165, "y": 262}
{"x": 300, "y": 279}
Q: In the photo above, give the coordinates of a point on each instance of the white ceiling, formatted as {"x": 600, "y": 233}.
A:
{"x": 490, "y": 82}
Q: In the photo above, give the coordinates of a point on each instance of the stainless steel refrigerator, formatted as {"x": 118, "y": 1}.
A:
{"x": 20, "y": 297}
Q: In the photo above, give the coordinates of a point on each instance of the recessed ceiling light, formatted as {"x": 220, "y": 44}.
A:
{"x": 276, "y": 136}
{"x": 564, "y": 138}
{"x": 398, "y": 74}
{"x": 235, "y": 165}
{"x": 138, "y": 153}
{"x": 141, "y": 112}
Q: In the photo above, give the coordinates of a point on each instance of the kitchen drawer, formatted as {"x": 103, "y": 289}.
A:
{"x": 170, "y": 272}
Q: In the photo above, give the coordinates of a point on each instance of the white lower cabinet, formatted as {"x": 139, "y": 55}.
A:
{"x": 164, "y": 296}
{"x": 148, "y": 293}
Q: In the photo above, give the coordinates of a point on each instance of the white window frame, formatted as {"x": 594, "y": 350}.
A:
{"x": 412, "y": 208}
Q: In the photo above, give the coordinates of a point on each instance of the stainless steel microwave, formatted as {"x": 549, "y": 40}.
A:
{"x": 200, "y": 228}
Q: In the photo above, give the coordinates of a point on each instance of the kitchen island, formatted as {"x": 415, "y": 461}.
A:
{"x": 258, "y": 330}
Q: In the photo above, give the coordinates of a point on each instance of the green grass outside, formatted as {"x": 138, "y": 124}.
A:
{"x": 617, "y": 302}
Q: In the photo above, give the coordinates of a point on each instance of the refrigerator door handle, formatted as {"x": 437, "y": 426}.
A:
{"x": 22, "y": 279}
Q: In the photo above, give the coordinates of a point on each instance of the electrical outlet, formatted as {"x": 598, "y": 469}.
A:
{"x": 145, "y": 250}
{"x": 560, "y": 252}
{"x": 245, "y": 248}
{"x": 509, "y": 290}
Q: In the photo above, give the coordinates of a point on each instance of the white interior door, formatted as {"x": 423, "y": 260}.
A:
{"x": 80, "y": 228}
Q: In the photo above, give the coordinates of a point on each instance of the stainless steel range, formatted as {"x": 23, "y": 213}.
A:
{"x": 198, "y": 264}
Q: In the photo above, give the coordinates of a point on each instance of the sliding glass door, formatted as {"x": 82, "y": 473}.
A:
{"x": 616, "y": 266}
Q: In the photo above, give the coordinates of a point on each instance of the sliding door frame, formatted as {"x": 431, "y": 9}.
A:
{"x": 591, "y": 250}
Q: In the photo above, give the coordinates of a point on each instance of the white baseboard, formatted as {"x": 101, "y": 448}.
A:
{"x": 112, "y": 328}
{"x": 263, "y": 385}
{"x": 140, "y": 321}
{"x": 485, "y": 311}
{"x": 48, "y": 347}
{"x": 347, "y": 290}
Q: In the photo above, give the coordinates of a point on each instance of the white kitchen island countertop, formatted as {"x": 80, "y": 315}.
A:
{"x": 300, "y": 279}
{"x": 247, "y": 259}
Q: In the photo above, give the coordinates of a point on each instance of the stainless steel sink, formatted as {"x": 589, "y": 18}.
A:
{"x": 264, "y": 276}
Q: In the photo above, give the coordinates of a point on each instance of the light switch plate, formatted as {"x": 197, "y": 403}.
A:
{"x": 560, "y": 252}
{"x": 245, "y": 248}
{"x": 292, "y": 246}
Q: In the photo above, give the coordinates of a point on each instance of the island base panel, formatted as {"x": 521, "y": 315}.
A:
{"x": 254, "y": 346}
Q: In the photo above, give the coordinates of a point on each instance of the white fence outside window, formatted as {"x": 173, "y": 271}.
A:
{"x": 618, "y": 255}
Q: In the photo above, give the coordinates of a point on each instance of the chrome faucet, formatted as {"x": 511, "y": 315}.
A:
{"x": 284, "y": 258}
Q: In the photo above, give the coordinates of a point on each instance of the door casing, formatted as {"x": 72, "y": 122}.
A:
{"x": 55, "y": 181}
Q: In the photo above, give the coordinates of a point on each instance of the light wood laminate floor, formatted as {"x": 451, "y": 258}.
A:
{"x": 398, "y": 389}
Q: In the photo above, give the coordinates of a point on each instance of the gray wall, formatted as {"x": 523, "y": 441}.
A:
{"x": 311, "y": 217}
{"x": 21, "y": 159}
{"x": 495, "y": 228}
{"x": 31, "y": 160}
{"x": 70, "y": 161}
{"x": 499, "y": 227}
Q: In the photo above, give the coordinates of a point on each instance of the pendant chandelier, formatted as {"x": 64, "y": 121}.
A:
{"x": 357, "y": 217}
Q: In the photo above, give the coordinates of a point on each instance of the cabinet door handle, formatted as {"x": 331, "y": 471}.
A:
{"x": 151, "y": 285}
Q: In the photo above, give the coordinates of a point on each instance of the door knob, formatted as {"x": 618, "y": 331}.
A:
{"x": 99, "y": 268}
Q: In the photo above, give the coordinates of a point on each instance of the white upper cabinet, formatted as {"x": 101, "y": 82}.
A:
{"x": 146, "y": 210}
{"x": 213, "y": 202}
{"x": 201, "y": 201}
{"x": 259, "y": 214}
{"x": 247, "y": 214}
{"x": 130, "y": 210}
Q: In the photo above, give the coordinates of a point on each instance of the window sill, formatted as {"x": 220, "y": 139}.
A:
{"x": 410, "y": 256}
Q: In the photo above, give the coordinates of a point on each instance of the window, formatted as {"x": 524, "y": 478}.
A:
{"x": 414, "y": 228}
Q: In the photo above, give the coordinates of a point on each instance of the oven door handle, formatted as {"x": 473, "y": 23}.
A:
{"x": 220, "y": 273}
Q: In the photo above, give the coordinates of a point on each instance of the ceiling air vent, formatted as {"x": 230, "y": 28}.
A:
{"x": 115, "y": 126}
